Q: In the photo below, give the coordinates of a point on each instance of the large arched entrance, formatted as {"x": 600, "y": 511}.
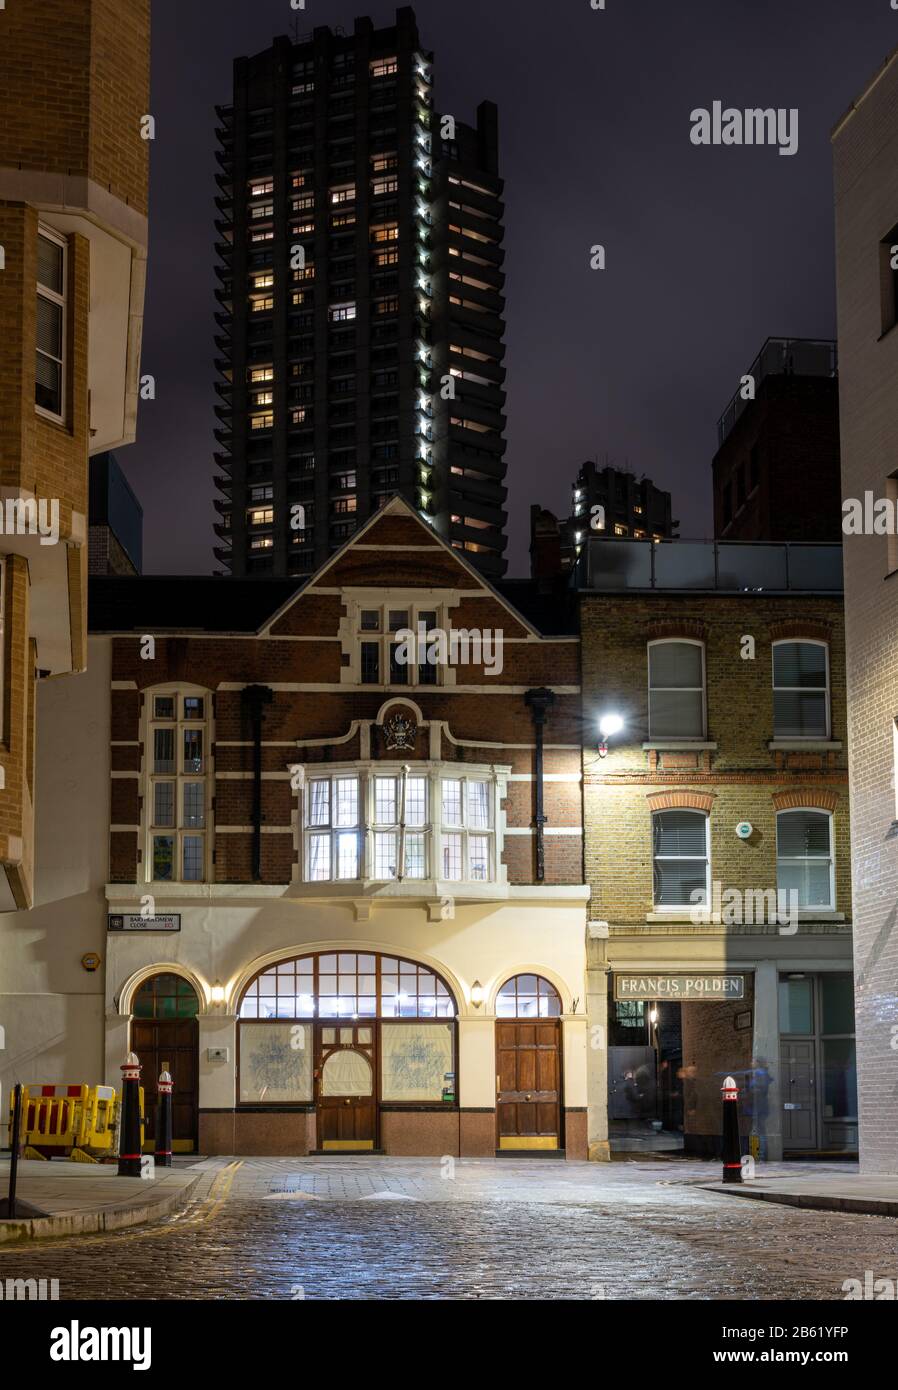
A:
{"x": 528, "y": 1064}
{"x": 347, "y": 1033}
{"x": 165, "y": 1036}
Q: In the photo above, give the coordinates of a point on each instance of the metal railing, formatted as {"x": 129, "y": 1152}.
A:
{"x": 782, "y": 357}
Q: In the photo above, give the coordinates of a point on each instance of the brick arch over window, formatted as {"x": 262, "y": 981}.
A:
{"x": 680, "y": 800}
{"x": 806, "y": 797}
{"x": 800, "y": 630}
{"x": 690, "y": 628}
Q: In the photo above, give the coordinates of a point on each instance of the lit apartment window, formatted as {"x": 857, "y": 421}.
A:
{"x": 680, "y": 858}
{"x": 262, "y": 422}
{"x": 260, "y": 374}
{"x": 384, "y": 163}
{"x": 261, "y": 543}
{"x": 263, "y": 280}
{"x": 381, "y": 186}
{"x": 49, "y": 382}
{"x": 342, "y": 193}
{"x": 804, "y": 858}
{"x": 260, "y": 398}
{"x": 265, "y": 234}
{"x": 389, "y": 304}
{"x": 342, "y": 313}
{"x": 178, "y": 793}
{"x": 800, "y": 690}
{"x": 382, "y": 258}
{"x": 344, "y": 506}
{"x": 384, "y": 67}
{"x": 620, "y": 530}
{"x": 259, "y": 211}
{"x": 676, "y": 689}
{"x": 261, "y": 303}
{"x": 260, "y": 516}
{"x": 304, "y": 204}
{"x": 343, "y": 219}
{"x": 389, "y": 231}
{"x": 258, "y": 188}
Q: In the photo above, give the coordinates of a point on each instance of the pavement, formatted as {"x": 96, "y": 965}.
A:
{"x": 371, "y": 1227}
{"x": 841, "y": 1190}
{"x": 87, "y": 1198}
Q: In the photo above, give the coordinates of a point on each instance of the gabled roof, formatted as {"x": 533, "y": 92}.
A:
{"x": 204, "y": 603}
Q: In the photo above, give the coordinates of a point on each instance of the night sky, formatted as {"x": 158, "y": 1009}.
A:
{"x": 709, "y": 250}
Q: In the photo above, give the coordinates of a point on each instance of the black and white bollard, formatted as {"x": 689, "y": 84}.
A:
{"x": 163, "y": 1122}
{"x": 129, "y": 1127}
{"x": 732, "y": 1151}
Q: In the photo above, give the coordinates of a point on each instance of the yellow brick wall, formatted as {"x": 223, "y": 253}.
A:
{"x": 74, "y": 75}
{"x": 742, "y": 774}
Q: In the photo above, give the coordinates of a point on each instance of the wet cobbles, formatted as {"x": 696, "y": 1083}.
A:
{"x": 431, "y": 1229}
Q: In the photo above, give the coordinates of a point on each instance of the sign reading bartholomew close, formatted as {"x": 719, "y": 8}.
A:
{"x": 679, "y": 987}
{"x": 133, "y": 921}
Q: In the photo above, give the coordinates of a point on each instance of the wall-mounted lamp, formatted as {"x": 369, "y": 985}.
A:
{"x": 609, "y": 725}
{"x": 217, "y": 993}
{"x": 477, "y": 995}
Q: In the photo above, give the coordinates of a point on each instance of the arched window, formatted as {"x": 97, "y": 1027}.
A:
{"x": 165, "y": 996}
{"x": 528, "y": 996}
{"x": 676, "y": 689}
{"x": 680, "y": 860}
{"x": 804, "y": 857}
{"x": 349, "y": 985}
{"x": 800, "y": 689}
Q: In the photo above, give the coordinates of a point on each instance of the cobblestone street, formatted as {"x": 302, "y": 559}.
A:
{"x": 429, "y": 1228}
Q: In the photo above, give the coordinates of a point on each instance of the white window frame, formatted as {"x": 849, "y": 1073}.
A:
{"x": 690, "y": 906}
{"x": 149, "y": 777}
{"x": 44, "y": 292}
{"x": 811, "y": 908}
{"x": 433, "y": 829}
{"x": 807, "y": 642}
{"x": 385, "y": 640}
{"x": 682, "y": 642}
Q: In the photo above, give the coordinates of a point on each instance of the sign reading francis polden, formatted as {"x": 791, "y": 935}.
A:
{"x": 680, "y": 987}
{"x": 133, "y": 921}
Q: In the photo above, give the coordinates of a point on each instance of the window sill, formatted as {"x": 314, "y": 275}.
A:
{"x": 805, "y": 745}
{"x": 701, "y": 918}
{"x": 671, "y": 744}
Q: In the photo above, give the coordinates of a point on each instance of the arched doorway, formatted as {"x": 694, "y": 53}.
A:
{"x": 528, "y": 1064}
{"x": 347, "y": 1033}
{"x": 165, "y": 1036}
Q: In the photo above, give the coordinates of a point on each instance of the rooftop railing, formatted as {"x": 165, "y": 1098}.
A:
{"x": 781, "y": 357}
{"x": 614, "y": 564}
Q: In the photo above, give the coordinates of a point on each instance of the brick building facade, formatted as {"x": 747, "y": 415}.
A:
{"x": 314, "y": 809}
{"x": 865, "y": 152}
{"x": 733, "y": 716}
{"x": 74, "y": 86}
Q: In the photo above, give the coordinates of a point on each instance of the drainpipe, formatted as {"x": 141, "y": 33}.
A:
{"x": 254, "y": 699}
{"x": 540, "y": 702}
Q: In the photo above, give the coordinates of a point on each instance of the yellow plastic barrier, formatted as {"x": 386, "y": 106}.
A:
{"x": 79, "y": 1122}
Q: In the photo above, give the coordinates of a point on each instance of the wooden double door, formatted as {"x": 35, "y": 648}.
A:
{"x": 169, "y": 1044}
{"x": 345, "y": 1085}
{"x": 528, "y": 1084}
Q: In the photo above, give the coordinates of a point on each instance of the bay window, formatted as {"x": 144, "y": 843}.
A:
{"x": 389, "y": 823}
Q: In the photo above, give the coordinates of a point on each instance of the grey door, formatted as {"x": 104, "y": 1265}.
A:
{"x": 799, "y": 1094}
{"x": 631, "y": 1083}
